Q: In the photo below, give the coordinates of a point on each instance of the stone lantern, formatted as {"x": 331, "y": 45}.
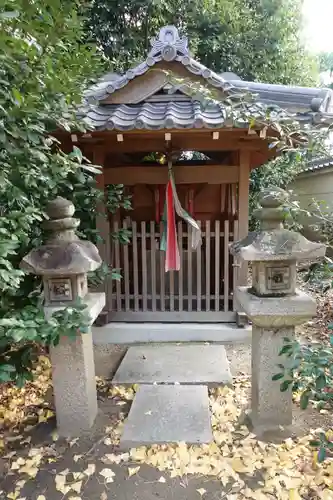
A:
{"x": 273, "y": 304}
{"x": 63, "y": 262}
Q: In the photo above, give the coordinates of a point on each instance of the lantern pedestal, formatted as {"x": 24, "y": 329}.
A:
{"x": 73, "y": 374}
{"x": 273, "y": 319}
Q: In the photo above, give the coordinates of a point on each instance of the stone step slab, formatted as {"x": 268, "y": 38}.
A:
{"x": 163, "y": 414}
{"x": 169, "y": 364}
{"x": 140, "y": 333}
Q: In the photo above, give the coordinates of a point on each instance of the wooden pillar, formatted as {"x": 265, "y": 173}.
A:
{"x": 243, "y": 206}
{"x": 103, "y": 227}
{"x": 243, "y": 224}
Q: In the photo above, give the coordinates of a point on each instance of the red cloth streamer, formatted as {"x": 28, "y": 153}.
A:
{"x": 172, "y": 258}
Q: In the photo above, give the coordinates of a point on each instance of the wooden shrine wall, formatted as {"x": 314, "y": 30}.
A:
{"x": 207, "y": 192}
{"x": 203, "y": 288}
{"x": 202, "y": 201}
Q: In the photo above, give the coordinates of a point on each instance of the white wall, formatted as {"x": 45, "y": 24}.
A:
{"x": 315, "y": 185}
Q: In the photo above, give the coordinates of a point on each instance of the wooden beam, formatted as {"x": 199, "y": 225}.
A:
{"x": 243, "y": 207}
{"x": 130, "y": 134}
{"x": 102, "y": 225}
{"x": 258, "y": 158}
{"x": 143, "y": 141}
{"x": 185, "y": 143}
{"x": 143, "y": 174}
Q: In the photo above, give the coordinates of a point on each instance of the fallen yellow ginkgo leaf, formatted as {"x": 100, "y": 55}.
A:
{"x": 238, "y": 465}
{"x": 76, "y": 486}
{"x": 294, "y": 495}
{"x": 133, "y": 470}
{"x": 13, "y": 495}
{"x": 108, "y": 474}
{"x": 90, "y": 470}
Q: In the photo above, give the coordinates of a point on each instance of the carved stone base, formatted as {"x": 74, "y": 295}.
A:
{"x": 241, "y": 319}
{"x": 102, "y": 319}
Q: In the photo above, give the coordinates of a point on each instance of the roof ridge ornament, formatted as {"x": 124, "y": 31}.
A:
{"x": 169, "y": 44}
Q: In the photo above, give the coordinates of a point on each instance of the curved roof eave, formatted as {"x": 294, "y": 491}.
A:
{"x": 307, "y": 104}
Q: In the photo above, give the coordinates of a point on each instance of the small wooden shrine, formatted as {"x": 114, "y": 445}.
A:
{"x": 149, "y": 127}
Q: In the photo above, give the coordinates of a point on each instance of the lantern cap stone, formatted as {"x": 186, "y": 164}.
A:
{"x": 273, "y": 197}
{"x": 59, "y": 208}
{"x": 272, "y": 211}
{"x": 273, "y": 242}
{"x": 63, "y": 254}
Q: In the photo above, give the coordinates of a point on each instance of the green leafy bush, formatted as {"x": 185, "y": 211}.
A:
{"x": 308, "y": 372}
{"x": 20, "y": 334}
{"x": 44, "y": 69}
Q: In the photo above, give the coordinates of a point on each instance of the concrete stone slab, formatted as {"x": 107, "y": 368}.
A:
{"x": 140, "y": 333}
{"x": 167, "y": 364}
{"x": 168, "y": 414}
